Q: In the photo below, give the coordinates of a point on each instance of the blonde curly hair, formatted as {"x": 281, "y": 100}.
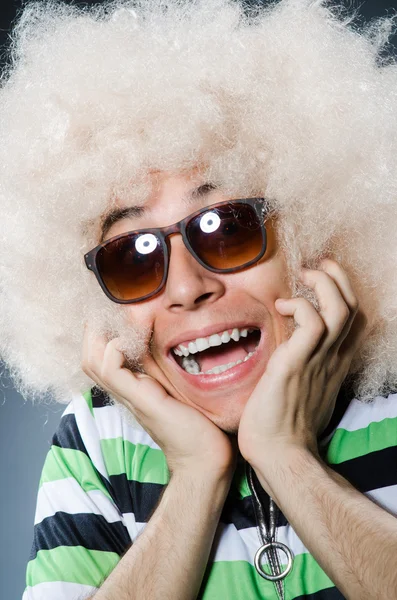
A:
{"x": 291, "y": 101}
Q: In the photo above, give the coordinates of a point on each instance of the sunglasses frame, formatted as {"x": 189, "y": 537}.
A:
{"x": 260, "y": 206}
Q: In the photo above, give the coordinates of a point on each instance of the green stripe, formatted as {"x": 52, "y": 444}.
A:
{"x": 238, "y": 580}
{"x": 239, "y": 482}
{"x": 306, "y": 577}
{"x": 234, "y": 580}
{"x": 346, "y": 445}
{"x": 138, "y": 461}
{"x": 61, "y": 463}
{"x": 73, "y": 564}
{"x": 88, "y": 398}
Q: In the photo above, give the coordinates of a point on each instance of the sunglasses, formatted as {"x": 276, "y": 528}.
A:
{"x": 224, "y": 238}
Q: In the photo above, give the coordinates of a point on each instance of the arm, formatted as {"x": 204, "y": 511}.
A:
{"x": 168, "y": 559}
{"x": 353, "y": 539}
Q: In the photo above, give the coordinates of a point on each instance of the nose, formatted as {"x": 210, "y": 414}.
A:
{"x": 189, "y": 285}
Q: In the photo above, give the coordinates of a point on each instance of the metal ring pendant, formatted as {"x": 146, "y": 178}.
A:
{"x": 264, "y": 549}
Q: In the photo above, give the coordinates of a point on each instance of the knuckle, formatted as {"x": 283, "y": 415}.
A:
{"x": 355, "y": 305}
{"x": 321, "y": 277}
{"x": 343, "y": 315}
{"x": 302, "y": 303}
{"x": 330, "y": 263}
{"x": 318, "y": 327}
{"x": 86, "y": 366}
{"x": 105, "y": 375}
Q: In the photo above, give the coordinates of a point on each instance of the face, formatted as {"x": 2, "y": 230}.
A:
{"x": 237, "y": 308}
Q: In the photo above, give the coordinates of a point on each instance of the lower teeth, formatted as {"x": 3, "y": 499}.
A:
{"x": 192, "y": 367}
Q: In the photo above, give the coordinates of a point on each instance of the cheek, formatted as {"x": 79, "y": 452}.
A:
{"x": 268, "y": 281}
{"x": 142, "y": 313}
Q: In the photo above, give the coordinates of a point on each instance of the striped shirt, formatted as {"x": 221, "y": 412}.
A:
{"x": 103, "y": 478}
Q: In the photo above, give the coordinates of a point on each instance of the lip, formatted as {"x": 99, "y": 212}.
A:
{"x": 191, "y": 335}
{"x": 229, "y": 377}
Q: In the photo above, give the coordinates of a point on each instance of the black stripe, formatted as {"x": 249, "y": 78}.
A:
{"x": 143, "y": 498}
{"x": 372, "y": 471}
{"x": 240, "y": 512}
{"x": 88, "y": 530}
{"x": 328, "y": 594}
{"x": 67, "y": 435}
{"x": 134, "y": 496}
{"x": 99, "y": 398}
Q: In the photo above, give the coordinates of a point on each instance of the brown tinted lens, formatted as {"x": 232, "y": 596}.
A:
{"x": 132, "y": 266}
{"x": 226, "y": 237}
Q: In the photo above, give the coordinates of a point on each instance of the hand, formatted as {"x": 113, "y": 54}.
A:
{"x": 294, "y": 399}
{"x": 189, "y": 440}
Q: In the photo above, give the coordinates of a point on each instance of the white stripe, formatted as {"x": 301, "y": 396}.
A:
{"x": 360, "y": 414}
{"x": 89, "y": 433}
{"x": 66, "y": 495}
{"x": 61, "y": 590}
{"x": 111, "y": 424}
{"x": 133, "y": 528}
{"x": 386, "y": 497}
{"x": 232, "y": 544}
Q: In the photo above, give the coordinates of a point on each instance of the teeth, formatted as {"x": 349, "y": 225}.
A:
{"x": 225, "y": 337}
{"x": 221, "y": 368}
{"x": 202, "y": 344}
{"x": 192, "y": 348}
{"x": 192, "y": 367}
{"x": 217, "y": 339}
{"x": 235, "y": 335}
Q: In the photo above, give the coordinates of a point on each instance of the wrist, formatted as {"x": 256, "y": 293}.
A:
{"x": 197, "y": 475}
{"x": 202, "y": 490}
{"x": 281, "y": 467}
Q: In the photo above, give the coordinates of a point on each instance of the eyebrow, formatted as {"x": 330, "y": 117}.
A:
{"x": 135, "y": 212}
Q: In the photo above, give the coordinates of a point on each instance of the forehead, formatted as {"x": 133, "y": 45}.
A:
{"x": 172, "y": 197}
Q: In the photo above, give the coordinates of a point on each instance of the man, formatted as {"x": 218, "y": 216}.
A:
{"x": 213, "y": 209}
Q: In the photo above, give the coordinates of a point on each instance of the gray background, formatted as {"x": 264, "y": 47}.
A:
{"x": 26, "y": 430}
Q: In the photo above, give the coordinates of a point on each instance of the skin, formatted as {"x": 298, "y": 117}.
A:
{"x": 278, "y": 411}
{"x": 194, "y": 298}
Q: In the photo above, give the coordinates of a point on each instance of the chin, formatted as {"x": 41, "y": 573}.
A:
{"x": 228, "y": 422}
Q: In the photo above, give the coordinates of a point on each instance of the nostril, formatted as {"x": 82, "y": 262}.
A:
{"x": 203, "y": 297}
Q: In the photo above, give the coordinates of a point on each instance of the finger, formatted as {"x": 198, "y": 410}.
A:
{"x": 352, "y": 341}
{"x": 309, "y": 331}
{"x": 92, "y": 353}
{"x": 334, "y": 310}
{"x": 356, "y": 323}
{"x": 339, "y": 275}
{"x": 142, "y": 392}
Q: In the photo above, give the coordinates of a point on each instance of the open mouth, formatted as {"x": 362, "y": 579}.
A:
{"x": 217, "y": 353}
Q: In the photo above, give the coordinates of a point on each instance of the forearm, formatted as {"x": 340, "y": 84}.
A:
{"x": 353, "y": 539}
{"x": 168, "y": 560}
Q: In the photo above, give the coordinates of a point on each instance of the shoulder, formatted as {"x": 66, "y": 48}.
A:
{"x": 95, "y": 425}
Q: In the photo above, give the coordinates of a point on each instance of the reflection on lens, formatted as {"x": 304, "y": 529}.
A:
{"x": 146, "y": 243}
{"x": 132, "y": 266}
{"x": 236, "y": 240}
{"x": 209, "y": 222}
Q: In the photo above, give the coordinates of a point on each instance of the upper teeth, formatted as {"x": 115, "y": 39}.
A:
{"x": 216, "y": 339}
